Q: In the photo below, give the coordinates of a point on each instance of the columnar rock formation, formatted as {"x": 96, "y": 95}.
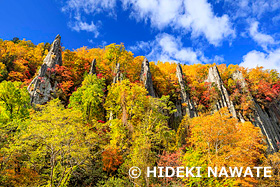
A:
{"x": 267, "y": 119}
{"x": 43, "y": 87}
{"x": 190, "y": 108}
{"x": 117, "y": 73}
{"x": 237, "y": 75}
{"x": 224, "y": 101}
{"x": 93, "y": 67}
{"x": 146, "y": 77}
{"x": 269, "y": 125}
{"x": 118, "y": 77}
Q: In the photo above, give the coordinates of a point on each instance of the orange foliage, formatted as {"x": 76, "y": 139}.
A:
{"x": 164, "y": 78}
{"x": 21, "y": 59}
{"x": 111, "y": 159}
{"x": 223, "y": 141}
{"x": 17, "y": 175}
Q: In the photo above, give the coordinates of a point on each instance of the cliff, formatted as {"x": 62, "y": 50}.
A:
{"x": 224, "y": 101}
{"x": 146, "y": 77}
{"x": 190, "y": 107}
{"x": 117, "y": 72}
{"x": 267, "y": 119}
{"x": 43, "y": 87}
{"x": 93, "y": 67}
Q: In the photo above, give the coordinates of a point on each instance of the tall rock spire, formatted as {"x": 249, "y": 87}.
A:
{"x": 146, "y": 77}
{"x": 117, "y": 73}
{"x": 42, "y": 87}
{"x": 93, "y": 67}
{"x": 118, "y": 77}
{"x": 214, "y": 77}
{"x": 267, "y": 119}
{"x": 190, "y": 109}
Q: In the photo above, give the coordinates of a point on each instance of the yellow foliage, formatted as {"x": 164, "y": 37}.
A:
{"x": 222, "y": 141}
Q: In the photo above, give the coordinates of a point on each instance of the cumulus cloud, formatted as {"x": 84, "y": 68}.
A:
{"x": 270, "y": 60}
{"x": 83, "y": 26}
{"x": 200, "y": 17}
{"x": 218, "y": 59}
{"x": 262, "y": 39}
{"x": 250, "y": 8}
{"x": 161, "y": 13}
{"x": 88, "y": 6}
{"x": 276, "y": 19}
{"x": 75, "y": 9}
{"x": 168, "y": 48}
{"x": 195, "y": 17}
{"x": 141, "y": 46}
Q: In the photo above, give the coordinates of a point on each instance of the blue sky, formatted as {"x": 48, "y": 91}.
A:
{"x": 241, "y": 32}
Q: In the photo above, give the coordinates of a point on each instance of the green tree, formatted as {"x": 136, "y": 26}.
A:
{"x": 14, "y": 108}
{"x": 55, "y": 142}
{"x": 89, "y": 98}
{"x": 14, "y": 101}
{"x": 139, "y": 126}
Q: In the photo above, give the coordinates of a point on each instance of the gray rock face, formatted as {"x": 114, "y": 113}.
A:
{"x": 146, "y": 78}
{"x": 93, "y": 67}
{"x": 237, "y": 75}
{"x": 269, "y": 125}
{"x": 190, "y": 109}
{"x": 214, "y": 77}
{"x": 42, "y": 87}
{"x": 118, "y": 75}
{"x": 267, "y": 119}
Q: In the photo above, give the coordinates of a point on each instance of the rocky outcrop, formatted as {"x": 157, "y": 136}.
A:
{"x": 146, "y": 78}
{"x": 190, "y": 108}
{"x": 118, "y": 75}
{"x": 224, "y": 101}
{"x": 269, "y": 125}
{"x": 93, "y": 67}
{"x": 268, "y": 119}
{"x": 43, "y": 87}
{"x": 237, "y": 76}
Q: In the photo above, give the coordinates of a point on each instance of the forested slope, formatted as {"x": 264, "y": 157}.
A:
{"x": 84, "y": 117}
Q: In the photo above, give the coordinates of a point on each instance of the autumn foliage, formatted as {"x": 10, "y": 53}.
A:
{"x": 111, "y": 159}
{"x": 219, "y": 140}
{"x": 94, "y": 131}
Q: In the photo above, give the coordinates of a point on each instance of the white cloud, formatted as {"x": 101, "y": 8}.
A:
{"x": 140, "y": 46}
{"x": 89, "y": 6}
{"x": 250, "y": 8}
{"x": 218, "y": 59}
{"x": 167, "y": 48}
{"x": 262, "y": 39}
{"x": 83, "y": 26}
{"x": 196, "y": 17}
{"x": 259, "y": 7}
{"x": 276, "y": 19}
{"x": 160, "y": 12}
{"x": 201, "y": 18}
{"x": 270, "y": 60}
{"x": 76, "y": 8}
